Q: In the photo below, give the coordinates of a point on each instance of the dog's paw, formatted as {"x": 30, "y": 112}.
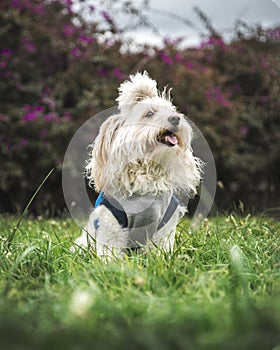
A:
{"x": 80, "y": 244}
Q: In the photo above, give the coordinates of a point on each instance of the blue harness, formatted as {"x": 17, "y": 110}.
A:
{"x": 119, "y": 213}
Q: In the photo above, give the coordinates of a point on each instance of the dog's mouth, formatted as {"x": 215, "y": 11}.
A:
{"x": 168, "y": 138}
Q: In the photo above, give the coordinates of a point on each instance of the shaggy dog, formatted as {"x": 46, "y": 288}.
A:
{"x": 140, "y": 158}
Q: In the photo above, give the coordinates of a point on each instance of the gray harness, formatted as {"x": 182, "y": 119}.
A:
{"x": 141, "y": 215}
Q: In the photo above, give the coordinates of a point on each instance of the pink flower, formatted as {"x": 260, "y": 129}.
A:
{"x": 28, "y": 45}
{"x": 49, "y": 117}
{"x": 6, "y": 52}
{"x": 166, "y": 58}
{"x": 30, "y": 116}
{"x": 49, "y": 101}
{"x": 189, "y": 65}
{"x": 103, "y": 72}
{"x": 86, "y": 39}
{"x": 28, "y": 4}
{"x": 38, "y": 108}
{"x": 118, "y": 74}
{"x": 15, "y": 3}
{"x": 68, "y": 116}
{"x": 274, "y": 34}
{"x": 39, "y": 9}
{"x": 213, "y": 42}
{"x": 215, "y": 94}
{"x": 3, "y": 117}
{"x": 76, "y": 52}
{"x": 32, "y": 112}
{"x": 172, "y": 41}
{"x": 106, "y": 15}
{"x": 69, "y": 30}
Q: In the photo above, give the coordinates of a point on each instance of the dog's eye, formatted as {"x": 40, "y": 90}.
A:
{"x": 150, "y": 114}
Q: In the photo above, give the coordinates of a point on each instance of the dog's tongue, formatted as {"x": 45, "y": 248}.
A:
{"x": 171, "y": 139}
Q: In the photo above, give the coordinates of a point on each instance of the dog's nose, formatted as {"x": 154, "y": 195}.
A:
{"x": 174, "y": 120}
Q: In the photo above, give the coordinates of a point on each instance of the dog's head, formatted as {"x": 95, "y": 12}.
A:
{"x": 146, "y": 147}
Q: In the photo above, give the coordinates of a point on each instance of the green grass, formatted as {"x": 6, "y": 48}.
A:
{"x": 220, "y": 289}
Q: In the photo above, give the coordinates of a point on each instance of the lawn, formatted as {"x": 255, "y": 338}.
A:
{"x": 219, "y": 289}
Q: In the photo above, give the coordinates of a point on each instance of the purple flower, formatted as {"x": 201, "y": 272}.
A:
{"x": 166, "y": 58}
{"x": 15, "y": 3}
{"x": 28, "y": 45}
{"x": 172, "y": 41}
{"x": 76, "y": 52}
{"x": 68, "y": 116}
{"x": 189, "y": 65}
{"x": 215, "y": 94}
{"x": 49, "y": 117}
{"x": 49, "y": 101}
{"x": 3, "y": 64}
{"x": 274, "y": 34}
{"x": 86, "y": 39}
{"x": 38, "y": 108}
{"x": 39, "y": 9}
{"x": 103, "y": 72}
{"x": 69, "y": 30}
{"x": 3, "y": 117}
{"x": 178, "y": 57}
{"x": 30, "y": 116}
{"x": 32, "y": 112}
{"x": 6, "y": 52}
{"x": 106, "y": 15}
{"x": 46, "y": 91}
{"x": 27, "y": 108}
{"x": 118, "y": 74}
{"x": 27, "y": 4}
{"x": 213, "y": 42}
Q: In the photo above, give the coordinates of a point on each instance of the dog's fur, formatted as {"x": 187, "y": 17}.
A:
{"x": 145, "y": 150}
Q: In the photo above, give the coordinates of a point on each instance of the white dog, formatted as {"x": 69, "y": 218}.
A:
{"x": 140, "y": 158}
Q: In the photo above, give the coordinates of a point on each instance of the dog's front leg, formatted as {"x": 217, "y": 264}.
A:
{"x": 111, "y": 239}
{"x": 164, "y": 238}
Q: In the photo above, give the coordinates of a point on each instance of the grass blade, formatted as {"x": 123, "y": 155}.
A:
{"x": 12, "y": 235}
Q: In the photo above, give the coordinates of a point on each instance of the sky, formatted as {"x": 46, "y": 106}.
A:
{"x": 222, "y": 13}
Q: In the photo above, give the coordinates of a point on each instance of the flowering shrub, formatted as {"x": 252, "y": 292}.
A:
{"x": 57, "y": 70}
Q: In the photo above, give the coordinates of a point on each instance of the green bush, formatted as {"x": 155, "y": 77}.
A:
{"x": 57, "y": 70}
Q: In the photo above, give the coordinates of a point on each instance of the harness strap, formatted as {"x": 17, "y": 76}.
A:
{"x": 119, "y": 213}
{"x": 113, "y": 206}
{"x": 169, "y": 212}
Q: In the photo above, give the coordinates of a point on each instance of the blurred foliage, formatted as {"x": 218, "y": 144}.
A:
{"x": 59, "y": 67}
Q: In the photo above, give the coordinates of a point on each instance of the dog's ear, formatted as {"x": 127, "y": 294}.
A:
{"x": 100, "y": 151}
{"x": 138, "y": 88}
